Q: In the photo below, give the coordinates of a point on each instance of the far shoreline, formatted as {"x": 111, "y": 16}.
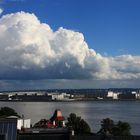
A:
{"x": 84, "y": 100}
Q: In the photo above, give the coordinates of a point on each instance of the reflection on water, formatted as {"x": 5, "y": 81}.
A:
{"x": 92, "y": 112}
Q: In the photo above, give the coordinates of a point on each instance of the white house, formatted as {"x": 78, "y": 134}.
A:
{"x": 112, "y": 95}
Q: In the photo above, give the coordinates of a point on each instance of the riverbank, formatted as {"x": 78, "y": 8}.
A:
{"x": 74, "y": 100}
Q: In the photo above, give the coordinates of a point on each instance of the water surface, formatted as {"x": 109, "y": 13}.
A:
{"x": 93, "y": 112}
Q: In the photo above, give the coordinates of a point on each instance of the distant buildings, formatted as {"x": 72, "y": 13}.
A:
{"x": 35, "y": 96}
{"x": 72, "y": 95}
{"x": 61, "y": 96}
{"x": 133, "y": 95}
{"x": 113, "y": 95}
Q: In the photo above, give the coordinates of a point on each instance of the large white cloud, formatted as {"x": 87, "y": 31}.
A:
{"x": 32, "y": 50}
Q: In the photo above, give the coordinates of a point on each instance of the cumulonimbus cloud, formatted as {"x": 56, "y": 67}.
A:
{"x": 32, "y": 50}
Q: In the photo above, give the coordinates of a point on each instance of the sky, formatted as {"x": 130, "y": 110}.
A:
{"x": 69, "y": 44}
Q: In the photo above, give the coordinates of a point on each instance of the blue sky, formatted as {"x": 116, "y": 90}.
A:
{"x": 111, "y": 27}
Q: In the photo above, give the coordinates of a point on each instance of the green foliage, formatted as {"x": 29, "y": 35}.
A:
{"x": 7, "y": 111}
{"x": 108, "y": 127}
{"x": 79, "y": 125}
{"x": 122, "y": 129}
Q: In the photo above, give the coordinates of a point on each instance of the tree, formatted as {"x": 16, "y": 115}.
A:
{"x": 79, "y": 125}
{"x": 7, "y": 111}
{"x": 122, "y": 129}
{"x": 108, "y": 127}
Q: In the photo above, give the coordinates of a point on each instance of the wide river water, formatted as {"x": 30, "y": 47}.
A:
{"x": 93, "y": 112}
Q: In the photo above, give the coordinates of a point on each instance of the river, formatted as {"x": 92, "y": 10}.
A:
{"x": 92, "y": 111}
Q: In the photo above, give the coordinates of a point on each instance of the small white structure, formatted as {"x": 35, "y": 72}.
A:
{"x": 115, "y": 96}
{"x": 133, "y": 92}
{"x": 112, "y": 95}
{"x": 59, "y": 96}
{"x": 137, "y": 95}
{"x": 23, "y": 123}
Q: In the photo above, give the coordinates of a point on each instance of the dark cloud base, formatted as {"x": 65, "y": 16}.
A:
{"x": 6, "y": 85}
